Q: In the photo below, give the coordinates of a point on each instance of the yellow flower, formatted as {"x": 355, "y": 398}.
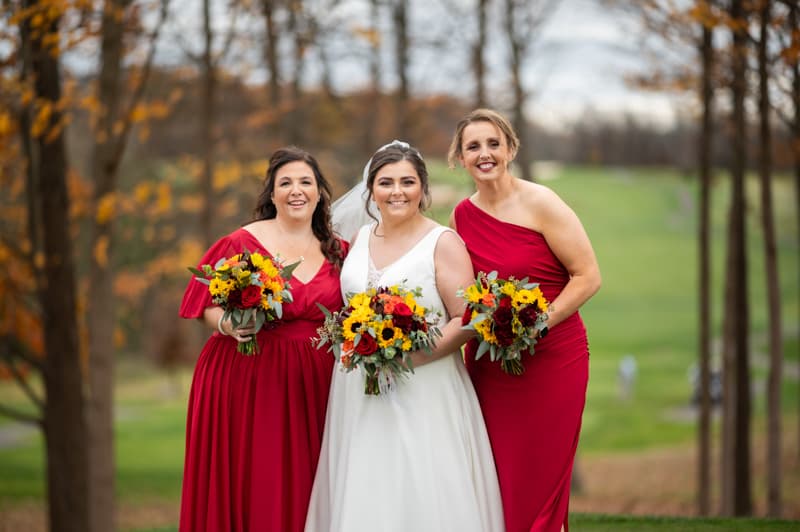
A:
{"x": 219, "y": 287}
{"x": 387, "y": 333}
{"x": 475, "y": 294}
{"x": 363, "y": 314}
{"x": 406, "y": 344}
{"x": 243, "y": 274}
{"x": 484, "y": 328}
{"x": 523, "y": 297}
{"x": 275, "y": 287}
{"x": 360, "y": 300}
{"x": 351, "y": 326}
{"x": 269, "y": 268}
{"x": 508, "y": 289}
{"x": 258, "y": 260}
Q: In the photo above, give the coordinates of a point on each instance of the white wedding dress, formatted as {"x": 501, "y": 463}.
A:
{"x": 417, "y": 459}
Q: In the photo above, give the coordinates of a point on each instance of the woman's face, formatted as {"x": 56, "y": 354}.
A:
{"x": 397, "y": 191}
{"x": 296, "y": 193}
{"x": 484, "y": 151}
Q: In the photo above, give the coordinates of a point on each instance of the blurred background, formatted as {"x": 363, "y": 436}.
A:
{"x": 134, "y": 133}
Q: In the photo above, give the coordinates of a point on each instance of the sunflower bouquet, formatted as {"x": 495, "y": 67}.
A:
{"x": 505, "y": 315}
{"x": 248, "y": 287}
{"x": 376, "y": 331}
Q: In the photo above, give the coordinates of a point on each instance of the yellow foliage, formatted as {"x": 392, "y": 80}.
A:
{"x": 42, "y": 119}
{"x": 38, "y": 259}
{"x": 163, "y": 198}
{"x": 189, "y": 251}
{"x": 130, "y": 286}
{"x": 191, "y": 204}
{"x": 106, "y": 207}
{"x": 142, "y": 192}
{"x": 227, "y": 174}
{"x": 229, "y": 207}
{"x": 168, "y": 232}
{"x": 100, "y": 251}
{"x": 119, "y": 337}
{"x": 6, "y": 124}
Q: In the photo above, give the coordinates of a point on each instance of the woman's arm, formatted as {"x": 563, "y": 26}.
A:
{"x": 569, "y": 242}
{"x": 453, "y": 271}
{"x": 211, "y": 317}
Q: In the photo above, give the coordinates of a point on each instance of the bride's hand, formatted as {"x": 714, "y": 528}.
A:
{"x": 241, "y": 334}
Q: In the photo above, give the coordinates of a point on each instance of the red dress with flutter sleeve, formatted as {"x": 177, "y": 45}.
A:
{"x": 255, "y": 423}
{"x": 533, "y": 419}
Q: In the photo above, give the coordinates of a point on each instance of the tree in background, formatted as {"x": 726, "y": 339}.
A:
{"x": 119, "y": 108}
{"x": 44, "y": 249}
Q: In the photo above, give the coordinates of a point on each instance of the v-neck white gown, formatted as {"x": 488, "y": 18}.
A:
{"x": 417, "y": 459}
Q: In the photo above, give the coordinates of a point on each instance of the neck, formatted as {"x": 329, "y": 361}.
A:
{"x": 491, "y": 192}
{"x": 293, "y": 228}
{"x": 390, "y": 228}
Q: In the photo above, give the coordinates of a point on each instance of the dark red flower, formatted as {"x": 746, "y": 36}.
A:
{"x": 505, "y": 302}
{"x": 528, "y": 315}
{"x": 235, "y": 299}
{"x": 402, "y": 316}
{"x": 251, "y": 296}
{"x": 366, "y": 345}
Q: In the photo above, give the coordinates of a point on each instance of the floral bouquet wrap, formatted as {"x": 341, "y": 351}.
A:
{"x": 505, "y": 314}
{"x": 376, "y": 331}
{"x": 248, "y": 287}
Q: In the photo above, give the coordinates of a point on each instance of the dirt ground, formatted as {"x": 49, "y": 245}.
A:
{"x": 659, "y": 482}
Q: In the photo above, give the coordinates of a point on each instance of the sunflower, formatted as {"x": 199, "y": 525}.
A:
{"x": 508, "y": 289}
{"x": 219, "y": 287}
{"x": 351, "y": 326}
{"x": 484, "y": 328}
{"x": 388, "y": 333}
{"x": 475, "y": 294}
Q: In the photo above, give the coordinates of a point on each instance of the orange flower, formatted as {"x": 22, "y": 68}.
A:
{"x": 347, "y": 346}
{"x": 488, "y": 299}
{"x": 347, "y": 361}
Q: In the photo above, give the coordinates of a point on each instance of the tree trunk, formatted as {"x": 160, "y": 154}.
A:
{"x": 704, "y": 237}
{"x": 65, "y": 429}
{"x": 101, "y": 304}
{"x": 271, "y": 54}
{"x": 523, "y": 157}
{"x": 737, "y": 304}
{"x": 296, "y": 120}
{"x": 207, "y": 123}
{"x": 772, "y": 278}
{"x": 373, "y": 102}
{"x": 794, "y": 24}
{"x": 400, "y": 18}
{"x": 478, "y": 64}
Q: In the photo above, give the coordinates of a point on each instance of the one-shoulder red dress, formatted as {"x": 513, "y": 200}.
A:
{"x": 255, "y": 423}
{"x": 533, "y": 419}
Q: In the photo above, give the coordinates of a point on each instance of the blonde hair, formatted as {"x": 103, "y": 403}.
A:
{"x": 481, "y": 115}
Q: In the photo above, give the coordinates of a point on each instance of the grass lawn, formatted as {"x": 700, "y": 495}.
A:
{"x": 642, "y": 224}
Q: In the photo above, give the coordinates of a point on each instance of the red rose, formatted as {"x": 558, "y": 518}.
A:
{"x": 251, "y": 296}
{"x": 366, "y": 345}
{"x": 402, "y": 316}
{"x": 235, "y": 299}
{"x": 504, "y": 334}
{"x": 503, "y": 316}
{"x": 505, "y": 302}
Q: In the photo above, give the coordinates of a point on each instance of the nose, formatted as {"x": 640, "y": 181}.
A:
{"x": 483, "y": 154}
{"x": 295, "y": 188}
{"x": 396, "y": 188}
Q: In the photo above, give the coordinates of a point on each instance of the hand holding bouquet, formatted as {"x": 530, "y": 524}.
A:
{"x": 248, "y": 287}
{"x": 377, "y": 330}
{"x": 506, "y": 315}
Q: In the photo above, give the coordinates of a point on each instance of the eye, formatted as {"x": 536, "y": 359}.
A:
{"x": 494, "y": 143}
{"x": 472, "y": 147}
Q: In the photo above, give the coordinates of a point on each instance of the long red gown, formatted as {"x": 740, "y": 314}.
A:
{"x": 533, "y": 419}
{"x": 255, "y": 423}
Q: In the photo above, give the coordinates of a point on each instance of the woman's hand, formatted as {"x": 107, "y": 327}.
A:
{"x": 241, "y": 334}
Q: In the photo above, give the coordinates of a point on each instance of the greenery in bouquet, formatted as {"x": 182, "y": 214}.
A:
{"x": 248, "y": 287}
{"x": 505, "y": 315}
{"x": 377, "y": 330}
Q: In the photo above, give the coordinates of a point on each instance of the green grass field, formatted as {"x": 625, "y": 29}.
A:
{"x": 642, "y": 224}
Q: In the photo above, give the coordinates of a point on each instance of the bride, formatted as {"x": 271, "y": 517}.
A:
{"x": 418, "y": 458}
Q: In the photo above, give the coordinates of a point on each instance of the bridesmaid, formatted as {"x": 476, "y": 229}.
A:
{"x": 523, "y": 229}
{"x": 255, "y": 423}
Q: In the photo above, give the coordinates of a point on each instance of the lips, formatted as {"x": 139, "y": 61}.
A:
{"x": 485, "y": 167}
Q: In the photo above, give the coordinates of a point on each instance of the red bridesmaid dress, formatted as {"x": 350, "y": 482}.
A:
{"x": 255, "y": 423}
{"x": 534, "y": 419}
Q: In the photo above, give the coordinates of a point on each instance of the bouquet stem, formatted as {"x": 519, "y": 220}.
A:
{"x": 513, "y": 366}
{"x": 249, "y": 347}
{"x": 371, "y": 385}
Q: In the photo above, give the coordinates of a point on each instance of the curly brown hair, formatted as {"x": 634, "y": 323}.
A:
{"x": 330, "y": 244}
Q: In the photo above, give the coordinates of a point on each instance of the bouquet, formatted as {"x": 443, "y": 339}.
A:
{"x": 248, "y": 287}
{"x": 376, "y": 331}
{"x": 505, "y": 314}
